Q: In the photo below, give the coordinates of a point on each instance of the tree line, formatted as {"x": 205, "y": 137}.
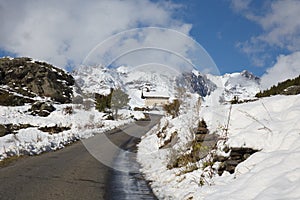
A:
{"x": 282, "y": 88}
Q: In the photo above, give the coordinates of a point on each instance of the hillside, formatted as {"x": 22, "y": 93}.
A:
{"x": 288, "y": 87}
{"x": 242, "y": 85}
{"x": 242, "y": 151}
{"x": 23, "y": 80}
{"x": 38, "y": 110}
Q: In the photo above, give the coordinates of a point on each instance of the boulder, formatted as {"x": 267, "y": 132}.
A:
{"x": 42, "y": 109}
{"x": 292, "y": 90}
{"x": 2, "y": 130}
{"x": 236, "y": 156}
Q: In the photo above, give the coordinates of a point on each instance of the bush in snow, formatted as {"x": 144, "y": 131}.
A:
{"x": 68, "y": 110}
{"x": 172, "y": 108}
{"x": 103, "y": 103}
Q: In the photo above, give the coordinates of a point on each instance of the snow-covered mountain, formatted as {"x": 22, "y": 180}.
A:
{"x": 164, "y": 81}
{"x": 243, "y": 85}
{"x": 99, "y": 79}
{"x": 96, "y": 79}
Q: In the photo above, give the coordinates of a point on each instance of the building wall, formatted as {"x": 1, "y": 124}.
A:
{"x": 156, "y": 101}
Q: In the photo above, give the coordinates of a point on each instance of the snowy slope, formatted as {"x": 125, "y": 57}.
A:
{"x": 270, "y": 125}
{"x": 96, "y": 79}
{"x": 83, "y": 123}
{"x": 244, "y": 85}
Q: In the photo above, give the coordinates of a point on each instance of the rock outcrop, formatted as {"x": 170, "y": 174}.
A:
{"x": 196, "y": 83}
{"x": 236, "y": 156}
{"x": 22, "y": 79}
{"x": 42, "y": 109}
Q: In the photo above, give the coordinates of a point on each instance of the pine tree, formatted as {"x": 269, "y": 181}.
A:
{"x": 103, "y": 102}
{"x": 280, "y": 88}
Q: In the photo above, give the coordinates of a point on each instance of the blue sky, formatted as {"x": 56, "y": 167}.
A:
{"x": 223, "y": 27}
{"x": 260, "y": 36}
{"x": 218, "y": 29}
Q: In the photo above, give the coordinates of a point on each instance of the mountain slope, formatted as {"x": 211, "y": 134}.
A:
{"x": 288, "y": 87}
{"x": 243, "y": 85}
{"x": 96, "y": 79}
{"x": 37, "y": 110}
{"x": 25, "y": 79}
{"x": 165, "y": 82}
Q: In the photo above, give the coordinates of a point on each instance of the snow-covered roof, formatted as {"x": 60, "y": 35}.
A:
{"x": 155, "y": 95}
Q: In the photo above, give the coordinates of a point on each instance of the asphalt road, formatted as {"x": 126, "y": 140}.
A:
{"x": 70, "y": 173}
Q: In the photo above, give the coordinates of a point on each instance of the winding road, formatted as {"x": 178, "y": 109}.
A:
{"x": 73, "y": 172}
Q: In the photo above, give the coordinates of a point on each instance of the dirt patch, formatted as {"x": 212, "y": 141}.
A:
{"x": 54, "y": 129}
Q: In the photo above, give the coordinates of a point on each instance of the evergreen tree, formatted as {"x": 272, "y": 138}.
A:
{"x": 103, "y": 103}
{"x": 280, "y": 88}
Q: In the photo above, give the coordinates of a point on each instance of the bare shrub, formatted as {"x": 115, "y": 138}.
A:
{"x": 68, "y": 110}
{"x": 172, "y": 108}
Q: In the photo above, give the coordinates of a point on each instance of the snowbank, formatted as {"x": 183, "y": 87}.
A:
{"x": 81, "y": 124}
{"x": 270, "y": 125}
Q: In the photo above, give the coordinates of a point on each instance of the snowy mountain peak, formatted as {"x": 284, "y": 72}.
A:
{"x": 97, "y": 79}
{"x": 155, "y": 78}
{"x": 250, "y": 75}
{"x": 243, "y": 85}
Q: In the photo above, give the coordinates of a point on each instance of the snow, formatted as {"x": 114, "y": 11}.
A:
{"x": 138, "y": 115}
{"x": 135, "y": 99}
{"x": 122, "y": 70}
{"x": 196, "y": 73}
{"x": 100, "y": 79}
{"x": 97, "y": 79}
{"x": 32, "y": 141}
{"x": 270, "y": 125}
{"x": 155, "y": 94}
{"x": 244, "y": 85}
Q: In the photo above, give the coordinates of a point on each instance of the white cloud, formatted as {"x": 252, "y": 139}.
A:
{"x": 240, "y": 5}
{"x": 280, "y": 23}
{"x": 168, "y": 47}
{"x": 287, "y": 66}
{"x": 279, "y": 20}
{"x": 65, "y": 31}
